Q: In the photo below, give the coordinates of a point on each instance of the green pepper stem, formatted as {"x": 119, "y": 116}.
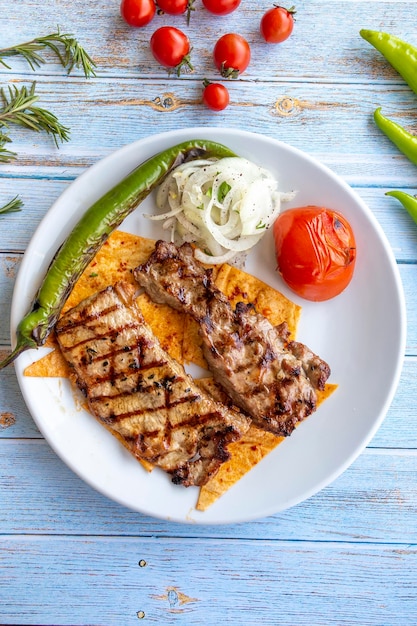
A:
{"x": 22, "y": 344}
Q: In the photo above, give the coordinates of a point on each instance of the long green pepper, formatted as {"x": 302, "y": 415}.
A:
{"x": 408, "y": 201}
{"x": 405, "y": 141}
{"x": 403, "y": 58}
{"x": 400, "y": 54}
{"x": 92, "y": 230}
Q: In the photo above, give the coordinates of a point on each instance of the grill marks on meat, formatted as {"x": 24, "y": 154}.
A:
{"x": 142, "y": 395}
{"x": 273, "y": 380}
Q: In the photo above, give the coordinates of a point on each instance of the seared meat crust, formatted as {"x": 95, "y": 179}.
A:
{"x": 270, "y": 378}
{"x": 142, "y": 395}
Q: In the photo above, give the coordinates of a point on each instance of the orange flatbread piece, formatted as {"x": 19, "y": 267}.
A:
{"x": 240, "y": 286}
{"x": 179, "y": 336}
{"x": 116, "y": 259}
{"x": 119, "y": 255}
{"x": 51, "y": 365}
{"x": 245, "y": 454}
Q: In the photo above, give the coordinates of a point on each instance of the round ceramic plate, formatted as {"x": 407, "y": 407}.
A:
{"x": 361, "y": 334}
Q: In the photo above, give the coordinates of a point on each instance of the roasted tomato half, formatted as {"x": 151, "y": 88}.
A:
{"x": 315, "y": 251}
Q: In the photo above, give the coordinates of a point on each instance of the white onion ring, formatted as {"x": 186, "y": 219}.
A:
{"x": 223, "y": 206}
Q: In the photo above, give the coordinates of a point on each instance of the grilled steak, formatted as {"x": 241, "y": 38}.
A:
{"x": 273, "y": 380}
{"x": 142, "y": 395}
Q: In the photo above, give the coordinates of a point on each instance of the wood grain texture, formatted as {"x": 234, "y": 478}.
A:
{"x": 118, "y": 580}
{"x": 346, "y": 556}
{"x": 376, "y": 496}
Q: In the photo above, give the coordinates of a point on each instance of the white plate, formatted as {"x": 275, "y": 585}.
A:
{"x": 361, "y": 334}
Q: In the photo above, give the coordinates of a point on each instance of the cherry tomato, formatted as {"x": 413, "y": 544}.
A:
{"x": 175, "y": 7}
{"x": 137, "y": 12}
{"x": 315, "y": 251}
{"x": 231, "y": 55}
{"x": 171, "y": 48}
{"x": 215, "y": 96}
{"x": 277, "y": 24}
{"x": 221, "y": 7}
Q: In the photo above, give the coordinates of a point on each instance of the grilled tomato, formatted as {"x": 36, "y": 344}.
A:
{"x": 315, "y": 251}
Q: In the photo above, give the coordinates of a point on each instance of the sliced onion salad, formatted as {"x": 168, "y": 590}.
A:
{"x": 223, "y": 206}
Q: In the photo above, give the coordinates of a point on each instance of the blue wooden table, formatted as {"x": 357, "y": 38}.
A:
{"x": 347, "y": 555}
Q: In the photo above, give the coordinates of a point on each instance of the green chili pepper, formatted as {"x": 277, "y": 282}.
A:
{"x": 91, "y": 232}
{"x": 408, "y": 201}
{"x": 405, "y": 141}
{"x": 400, "y": 54}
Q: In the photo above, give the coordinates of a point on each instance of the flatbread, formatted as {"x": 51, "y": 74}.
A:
{"x": 179, "y": 336}
{"x": 117, "y": 258}
{"x": 245, "y": 454}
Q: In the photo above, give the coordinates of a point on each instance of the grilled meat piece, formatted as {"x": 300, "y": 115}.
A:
{"x": 142, "y": 395}
{"x": 273, "y": 380}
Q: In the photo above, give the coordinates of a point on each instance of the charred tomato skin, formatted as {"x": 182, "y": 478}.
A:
{"x": 315, "y": 251}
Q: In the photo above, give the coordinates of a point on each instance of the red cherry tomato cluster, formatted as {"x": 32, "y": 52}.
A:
{"x": 231, "y": 53}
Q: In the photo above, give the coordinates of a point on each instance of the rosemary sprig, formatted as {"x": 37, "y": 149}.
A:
{"x": 13, "y": 206}
{"x": 19, "y": 105}
{"x": 64, "y": 45}
{"x": 19, "y": 108}
{"x": 5, "y": 155}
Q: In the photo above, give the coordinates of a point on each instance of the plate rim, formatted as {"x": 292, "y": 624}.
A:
{"x": 203, "y": 133}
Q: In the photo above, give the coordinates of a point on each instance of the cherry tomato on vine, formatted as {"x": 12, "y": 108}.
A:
{"x": 215, "y": 96}
{"x": 221, "y": 7}
{"x": 171, "y": 48}
{"x": 231, "y": 55}
{"x": 137, "y": 12}
{"x": 277, "y": 24}
{"x": 315, "y": 251}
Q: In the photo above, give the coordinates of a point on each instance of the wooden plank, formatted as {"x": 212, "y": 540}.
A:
{"x": 15, "y": 419}
{"x": 396, "y": 223}
{"x": 103, "y": 120}
{"x": 355, "y": 507}
{"x": 408, "y": 278}
{"x": 38, "y": 194}
{"x": 347, "y": 555}
{"x": 121, "y": 50}
{"x": 169, "y": 581}
{"x": 399, "y": 427}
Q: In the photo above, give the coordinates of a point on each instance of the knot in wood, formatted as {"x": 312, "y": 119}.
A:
{"x": 286, "y": 106}
{"x": 166, "y": 102}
